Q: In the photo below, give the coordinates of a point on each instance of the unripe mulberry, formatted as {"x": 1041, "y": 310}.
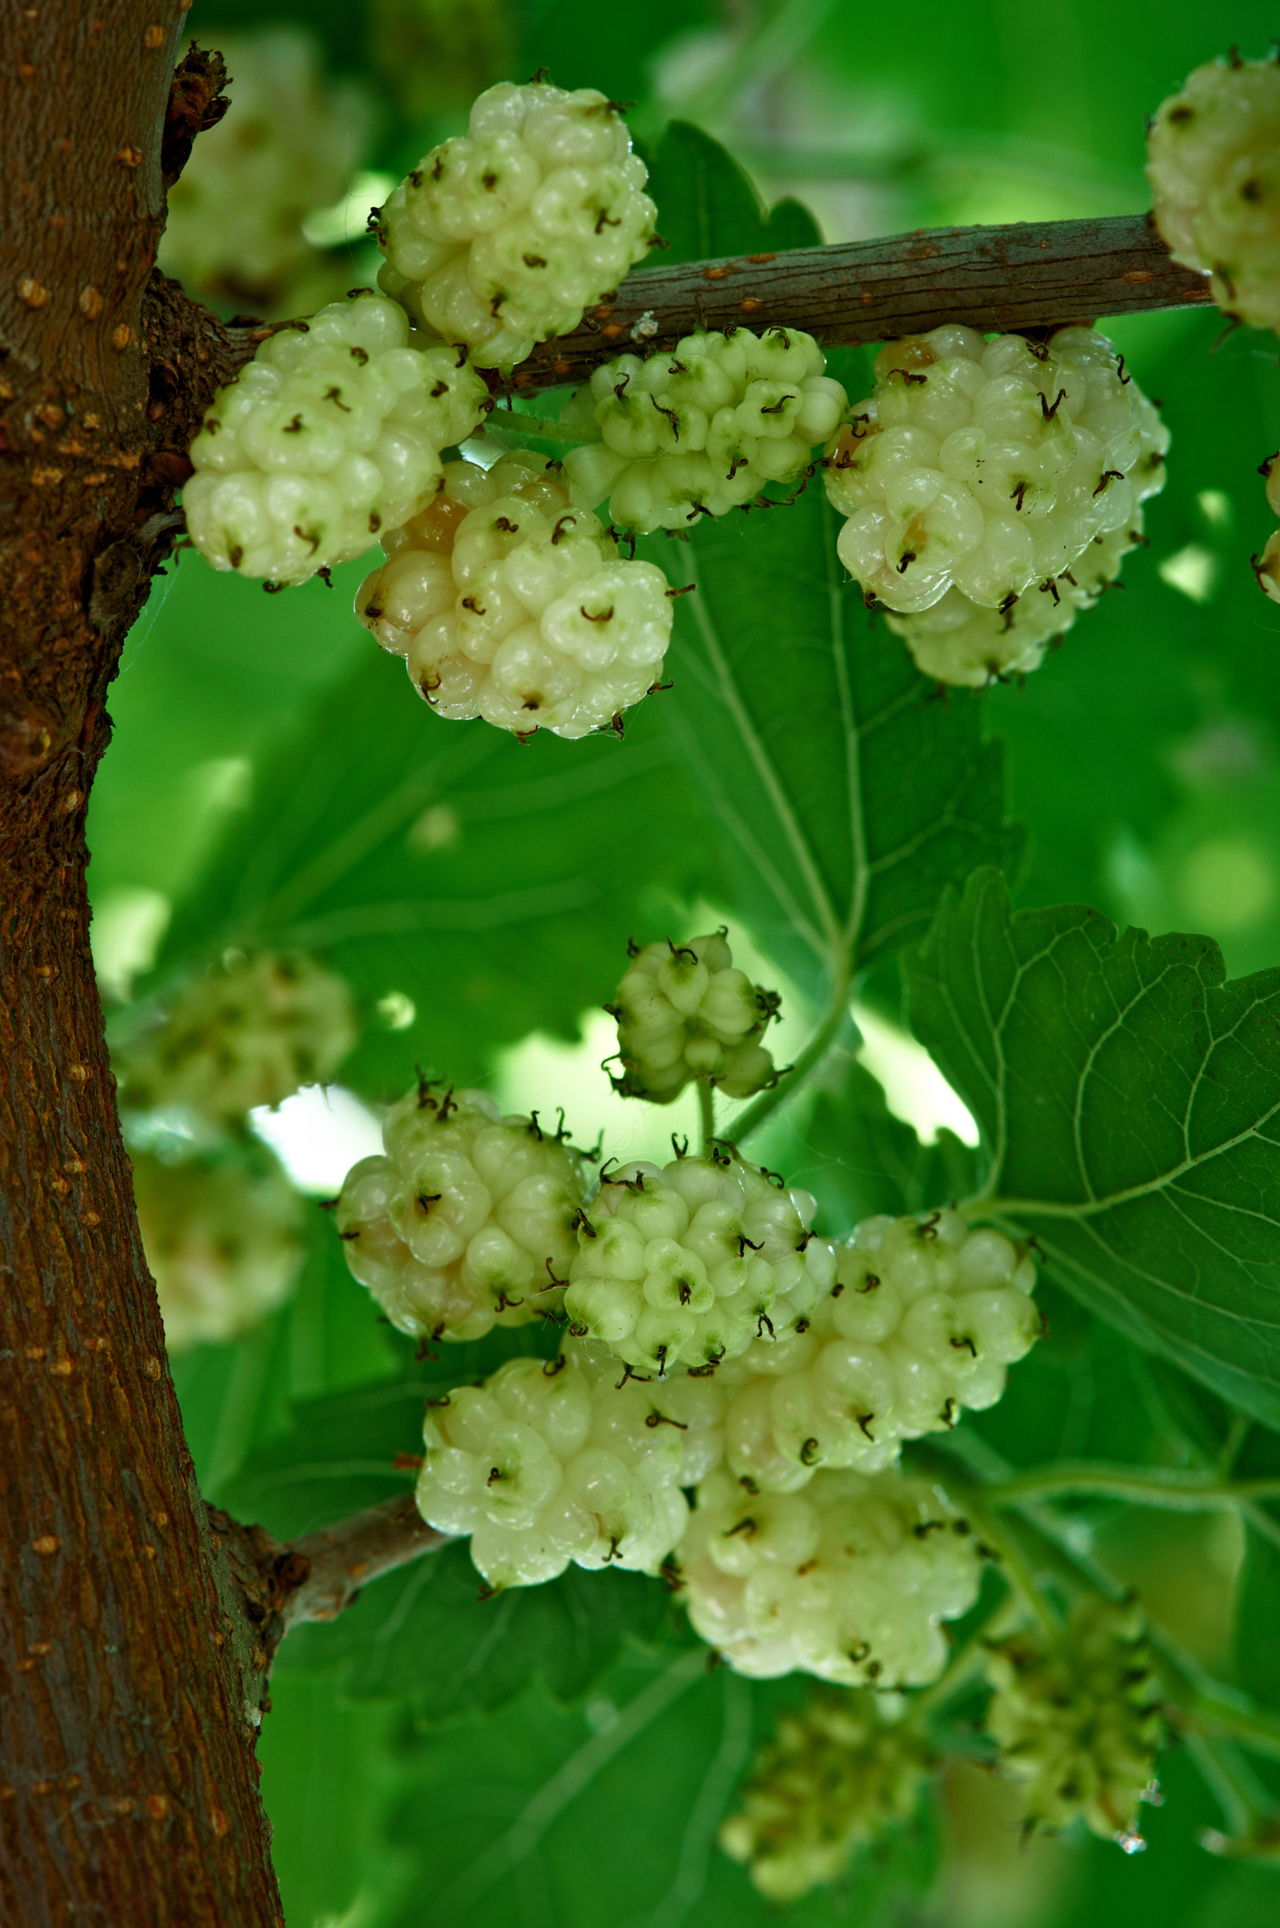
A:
{"x": 684, "y": 1012}
{"x": 922, "y": 1321}
{"x": 244, "y": 1034}
{"x": 700, "y": 430}
{"x": 989, "y": 466}
{"x": 508, "y": 603}
{"x": 835, "y": 1775}
{"x": 466, "y": 1221}
{"x": 290, "y": 143}
{"x": 848, "y": 1579}
{"x": 1213, "y": 161}
{"x": 331, "y": 434}
{"x": 959, "y": 641}
{"x": 224, "y": 1243}
{"x": 503, "y": 236}
{"x": 1266, "y": 567}
{"x": 686, "y": 1264}
{"x": 1079, "y": 1722}
{"x": 547, "y": 1464}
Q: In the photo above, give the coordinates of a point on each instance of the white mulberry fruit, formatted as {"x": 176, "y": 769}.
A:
{"x": 508, "y": 603}
{"x": 224, "y": 1243}
{"x": 329, "y": 436}
{"x": 959, "y": 641}
{"x": 686, "y": 1264}
{"x": 848, "y": 1579}
{"x": 700, "y": 430}
{"x": 684, "y": 1012}
{"x": 503, "y": 237}
{"x": 989, "y": 466}
{"x": 834, "y": 1776}
{"x": 466, "y": 1221}
{"x": 247, "y": 1033}
{"x": 290, "y": 143}
{"x": 547, "y": 1464}
{"x": 1213, "y": 161}
{"x": 921, "y": 1323}
{"x": 1079, "y": 1721}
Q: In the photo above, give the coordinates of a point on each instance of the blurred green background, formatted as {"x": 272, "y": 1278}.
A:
{"x": 1143, "y": 758}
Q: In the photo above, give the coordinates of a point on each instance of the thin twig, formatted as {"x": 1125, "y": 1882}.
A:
{"x": 335, "y": 1563}
{"x": 1033, "y": 274}
{"x": 1030, "y": 275}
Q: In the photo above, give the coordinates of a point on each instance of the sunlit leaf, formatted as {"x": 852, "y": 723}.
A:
{"x": 1129, "y": 1100}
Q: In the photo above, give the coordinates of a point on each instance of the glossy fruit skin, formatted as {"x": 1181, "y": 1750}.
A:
{"x": 848, "y": 1579}
{"x": 921, "y": 1322}
{"x": 1213, "y": 162}
{"x": 980, "y": 471}
{"x": 701, "y": 430}
{"x": 684, "y": 1012}
{"x": 508, "y": 603}
{"x": 329, "y": 436}
{"x": 551, "y": 1463}
{"x": 503, "y": 236}
{"x": 685, "y": 1264}
{"x": 466, "y": 1220}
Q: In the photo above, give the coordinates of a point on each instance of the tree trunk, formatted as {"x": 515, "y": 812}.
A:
{"x": 128, "y": 1786}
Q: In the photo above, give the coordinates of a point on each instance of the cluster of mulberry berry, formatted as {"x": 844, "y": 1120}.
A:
{"x": 332, "y": 433}
{"x": 1078, "y": 1721}
{"x": 466, "y": 1221}
{"x": 545, "y": 1464}
{"x": 833, "y": 1777}
{"x": 922, "y": 1321}
{"x": 507, "y": 602}
{"x": 503, "y": 236}
{"x": 701, "y": 430}
{"x": 1213, "y": 161}
{"x": 220, "y": 1223}
{"x": 223, "y": 1240}
{"x": 684, "y": 1013}
{"x": 960, "y": 642}
{"x": 979, "y": 471}
{"x": 247, "y": 1033}
{"x": 685, "y": 1265}
{"x": 849, "y": 1579}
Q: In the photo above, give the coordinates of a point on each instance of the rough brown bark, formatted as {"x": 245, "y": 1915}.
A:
{"x": 286, "y": 1583}
{"x": 127, "y": 1776}
{"x": 1030, "y": 275}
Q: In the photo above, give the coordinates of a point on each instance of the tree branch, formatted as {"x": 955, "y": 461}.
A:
{"x": 334, "y": 1564}
{"x": 1030, "y": 275}
{"x": 280, "y": 1584}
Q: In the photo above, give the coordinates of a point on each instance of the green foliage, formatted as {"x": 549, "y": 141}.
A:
{"x": 483, "y": 1652}
{"x": 858, "y": 1159}
{"x": 846, "y": 797}
{"x": 455, "y": 866}
{"x": 658, "y": 1750}
{"x": 708, "y": 205}
{"x": 1258, "y": 1617}
{"x": 1128, "y": 1099}
{"x": 330, "y": 1777}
